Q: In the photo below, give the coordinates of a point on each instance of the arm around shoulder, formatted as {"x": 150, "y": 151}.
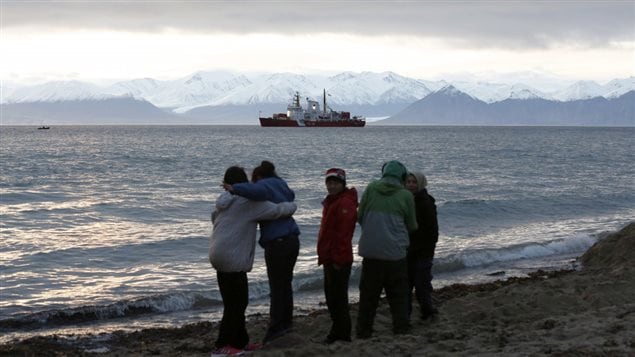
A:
{"x": 266, "y": 210}
{"x": 252, "y": 191}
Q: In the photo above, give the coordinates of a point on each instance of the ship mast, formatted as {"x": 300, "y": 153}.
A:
{"x": 324, "y": 102}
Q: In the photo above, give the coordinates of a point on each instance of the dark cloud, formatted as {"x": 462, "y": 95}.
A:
{"x": 494, "y": 24}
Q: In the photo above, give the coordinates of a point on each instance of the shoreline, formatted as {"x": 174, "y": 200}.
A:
{"x": 567, "y": 312}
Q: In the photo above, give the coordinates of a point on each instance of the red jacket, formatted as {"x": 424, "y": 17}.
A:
{"x": 339, "y": 217}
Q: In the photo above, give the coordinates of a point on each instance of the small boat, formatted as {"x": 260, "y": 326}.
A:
{"x": 312, "y": 116}
{"x": 44, "y": 128}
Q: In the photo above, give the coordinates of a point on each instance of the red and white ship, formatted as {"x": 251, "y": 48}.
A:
{"x": 312, "y": 116}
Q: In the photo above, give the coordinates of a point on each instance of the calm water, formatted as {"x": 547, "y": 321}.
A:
{"x": 107, "y": 227}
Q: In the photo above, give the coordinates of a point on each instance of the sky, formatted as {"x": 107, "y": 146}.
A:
{"x": 495, "y": 40}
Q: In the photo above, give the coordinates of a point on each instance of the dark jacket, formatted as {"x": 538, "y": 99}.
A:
{"x": 423, "y": 241}
{"x": 339, "y": 217}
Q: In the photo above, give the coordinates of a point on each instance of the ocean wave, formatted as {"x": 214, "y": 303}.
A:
{"x": 534, "y": 206}
{"x": 25, "y": 197}
{"x": 472, "y": 258}
{"x": 125, "y": 308}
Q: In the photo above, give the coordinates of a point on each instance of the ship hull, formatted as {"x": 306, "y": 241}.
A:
{"x": 270, "y": 122}
{"x": 335, "y": 123}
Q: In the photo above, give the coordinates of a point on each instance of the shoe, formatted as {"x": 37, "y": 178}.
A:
{"x": 253, "y": 347}
{"x": 227, "y": 351}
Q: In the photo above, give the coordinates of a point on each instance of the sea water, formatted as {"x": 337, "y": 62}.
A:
{"x": 107, "y": 227}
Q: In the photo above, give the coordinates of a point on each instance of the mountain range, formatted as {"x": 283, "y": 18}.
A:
{"x": 232, "y": 98}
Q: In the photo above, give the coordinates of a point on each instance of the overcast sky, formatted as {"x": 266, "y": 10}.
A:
{"x": 487, "y": 40}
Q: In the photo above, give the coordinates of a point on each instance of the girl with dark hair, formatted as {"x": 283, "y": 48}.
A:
{"x": 280, "y": 240}
{"x": 231, "y": 253}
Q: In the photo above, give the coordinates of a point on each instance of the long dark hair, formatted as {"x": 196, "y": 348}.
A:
{"x": 266, "y": 169}
{"x": 235, "y": 174}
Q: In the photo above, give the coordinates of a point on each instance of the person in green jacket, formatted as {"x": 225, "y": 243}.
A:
{"x": 387, "y": 216}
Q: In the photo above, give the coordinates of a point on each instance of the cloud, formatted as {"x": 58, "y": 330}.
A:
{"x": 469, "y": 24}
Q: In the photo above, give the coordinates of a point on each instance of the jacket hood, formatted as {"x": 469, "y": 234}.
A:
{"x": 387, "y": 186}
{"x": 421, "y": 179}
{"x": 394, "y": 169}
{"x": 224, "y": 201}
{"x": 350, "y": 194}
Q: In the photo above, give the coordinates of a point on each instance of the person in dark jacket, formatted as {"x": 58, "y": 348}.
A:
{"x": 335, "y": 250}
{"x": 280, "y": 240}
{"x": 423, "y": 242}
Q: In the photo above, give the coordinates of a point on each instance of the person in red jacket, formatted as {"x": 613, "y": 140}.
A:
{"x": 335, "y": 250}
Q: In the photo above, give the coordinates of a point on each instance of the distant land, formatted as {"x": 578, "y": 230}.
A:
{"x": 226, "y": 98}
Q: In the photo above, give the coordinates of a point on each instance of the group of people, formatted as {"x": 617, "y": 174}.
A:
{"x": 399, "y": 235}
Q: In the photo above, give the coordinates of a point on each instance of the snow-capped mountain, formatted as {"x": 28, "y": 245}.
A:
{"x": 580, "y": 90}
{"x": 223, "y": 88}
{"x": 451, "y": 106}
{"x": 203, "y": 95}
{"x": 58, "y": 91}
{"x": 347, "y": 88}
{"x": 368, "y": 88}
{"x": 496, "y": 92}
{"x": 136, "y": 88}
{"x": 618, "y": 87}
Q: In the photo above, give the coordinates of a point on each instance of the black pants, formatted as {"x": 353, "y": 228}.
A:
{"x": 377, "y": 275}
{"x": 336, "y": 293}
{"x": 235, "y": 293}
{"x": 420, "y": 278}
{"x": 280, "y": 257}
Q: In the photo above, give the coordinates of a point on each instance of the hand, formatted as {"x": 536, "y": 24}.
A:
{"x": 227, "y": 187}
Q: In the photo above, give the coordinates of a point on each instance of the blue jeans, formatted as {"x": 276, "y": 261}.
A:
{"x": 280, "y": 257}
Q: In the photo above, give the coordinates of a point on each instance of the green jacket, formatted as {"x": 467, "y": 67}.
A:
{"x": 387, "y": 215}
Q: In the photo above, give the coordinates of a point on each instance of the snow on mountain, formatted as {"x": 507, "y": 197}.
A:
{"x": 58, "y": 91}
{"x": 347, "y": 88}
{"x": 375, "y": 88}
{"x": 224, "y": 88}
{"x": 6, "y": 89}
{"x": 579, "y": 90}
{"x": 136, "y": 88}
{"x": 496, "y": 92}
{"x": 619, "y": 87}
{"x": 273, "y": 88}
{"x": 521, "y": 91}
{"x": 487, "y": 92}
{"x": 196, "y": 90}
{"x": 434, "y": 85}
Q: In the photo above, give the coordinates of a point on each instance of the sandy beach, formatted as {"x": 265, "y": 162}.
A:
{"x": 585, "y": 312}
